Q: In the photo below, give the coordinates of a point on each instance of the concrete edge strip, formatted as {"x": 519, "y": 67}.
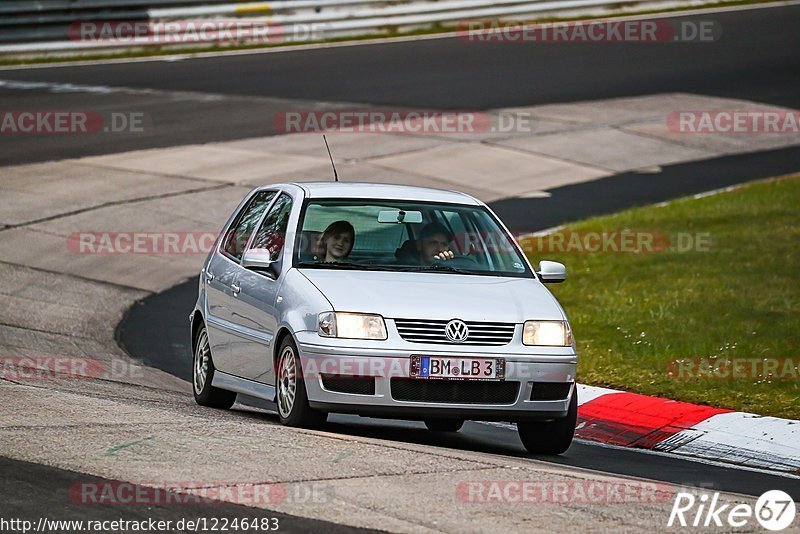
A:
{"x": 640, "y": 421}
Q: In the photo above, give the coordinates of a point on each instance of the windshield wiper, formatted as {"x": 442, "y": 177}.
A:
{"x": 436, "y": 267}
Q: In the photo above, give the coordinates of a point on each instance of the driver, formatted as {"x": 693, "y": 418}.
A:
{"x": 434, "y": 244}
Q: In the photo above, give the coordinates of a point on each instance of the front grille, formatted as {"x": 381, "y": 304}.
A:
{"x": 550, "y": 390}
{"x": 359, "y": 385}
{"x": 432, "y": 331}
{"x": 454, "y": 391}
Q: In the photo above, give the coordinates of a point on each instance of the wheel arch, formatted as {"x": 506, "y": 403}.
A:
{"x": 197, "y": 322}
{"x": 283, "y": 331}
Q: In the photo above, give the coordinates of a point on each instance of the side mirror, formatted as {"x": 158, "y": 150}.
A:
{"x": 552, "y": 272}
{"x": 258, "y": 259}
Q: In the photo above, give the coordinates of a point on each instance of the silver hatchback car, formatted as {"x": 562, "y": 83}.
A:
{"x": 386, "y": 301}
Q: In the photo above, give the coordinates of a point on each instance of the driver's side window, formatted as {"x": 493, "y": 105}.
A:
{"x": 272, "y": 233}
{"x": 240, "y": 231}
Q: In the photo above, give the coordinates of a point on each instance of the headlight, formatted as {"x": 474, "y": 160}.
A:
{"x": 351, "y": 325}
{"x": 549, "y": 333}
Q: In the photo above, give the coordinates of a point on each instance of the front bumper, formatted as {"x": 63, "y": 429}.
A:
{"x": 345, "y": 358}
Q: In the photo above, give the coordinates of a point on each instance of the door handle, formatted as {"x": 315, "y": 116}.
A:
{"x": 209, "y": 276}
{"x": 235, "y": 289}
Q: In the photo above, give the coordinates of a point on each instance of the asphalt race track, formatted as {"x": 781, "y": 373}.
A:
{"x": 225, "y": 98}
{"x": 52, "y": 486}
{"x": 239, "y": 94}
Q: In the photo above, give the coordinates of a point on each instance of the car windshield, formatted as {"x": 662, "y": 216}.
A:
{"x": 393, "y": 235}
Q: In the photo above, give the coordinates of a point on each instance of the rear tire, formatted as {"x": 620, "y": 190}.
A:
{"x": 550, "y": 437}
{"x": 290, "y": 390}
{"x": 444, "y": 425}
{"x": 203, "y": 374}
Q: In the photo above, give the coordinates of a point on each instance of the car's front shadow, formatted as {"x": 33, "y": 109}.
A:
{"x": 473, "y": 437}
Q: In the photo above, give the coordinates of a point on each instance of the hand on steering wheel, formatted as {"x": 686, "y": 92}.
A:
{"x": 444, "y": 255}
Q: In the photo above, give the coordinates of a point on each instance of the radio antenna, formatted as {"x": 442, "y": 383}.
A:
{"x": 335, "y": 174}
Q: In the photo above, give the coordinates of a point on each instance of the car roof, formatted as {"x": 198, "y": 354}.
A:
{"x": 383, "y": 191}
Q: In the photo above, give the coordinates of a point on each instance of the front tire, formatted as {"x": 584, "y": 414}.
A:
{"x": 550, "y": 437}
{"x": 444, "y": 425}
{"x": 290, "y": 390}
{"x": 203, "y": 374}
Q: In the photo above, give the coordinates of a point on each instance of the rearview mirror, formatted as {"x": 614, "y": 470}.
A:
{"x": 399, "y": 216}
{"x": 552, "y": 272}
{"x": 257, "y": 258}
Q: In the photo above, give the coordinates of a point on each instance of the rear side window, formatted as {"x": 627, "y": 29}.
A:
{"x": 272, "y": 233}
{"x": 240, "y": 231}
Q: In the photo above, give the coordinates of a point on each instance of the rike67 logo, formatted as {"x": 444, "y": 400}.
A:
{"x": 774, "y": 510}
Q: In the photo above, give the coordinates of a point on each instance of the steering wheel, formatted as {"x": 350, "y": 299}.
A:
{"x": 458, "y": 261}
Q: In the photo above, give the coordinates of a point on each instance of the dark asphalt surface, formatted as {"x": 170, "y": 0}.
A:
{"x": 757, "y": 58}
{"x": 29, "y": 491}
{"x": 629, "y": 189}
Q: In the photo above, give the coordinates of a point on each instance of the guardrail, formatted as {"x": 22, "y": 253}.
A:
{"x": 105, "y": 25}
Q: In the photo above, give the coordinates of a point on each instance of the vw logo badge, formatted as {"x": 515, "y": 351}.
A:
{"x": 456, "y": 331}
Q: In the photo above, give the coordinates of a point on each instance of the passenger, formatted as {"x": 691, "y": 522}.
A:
{"x": 336, "y": 242}
{"x": 433, "y": 244}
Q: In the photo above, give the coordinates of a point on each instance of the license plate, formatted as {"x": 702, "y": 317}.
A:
{"x": 435, "y": 367}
